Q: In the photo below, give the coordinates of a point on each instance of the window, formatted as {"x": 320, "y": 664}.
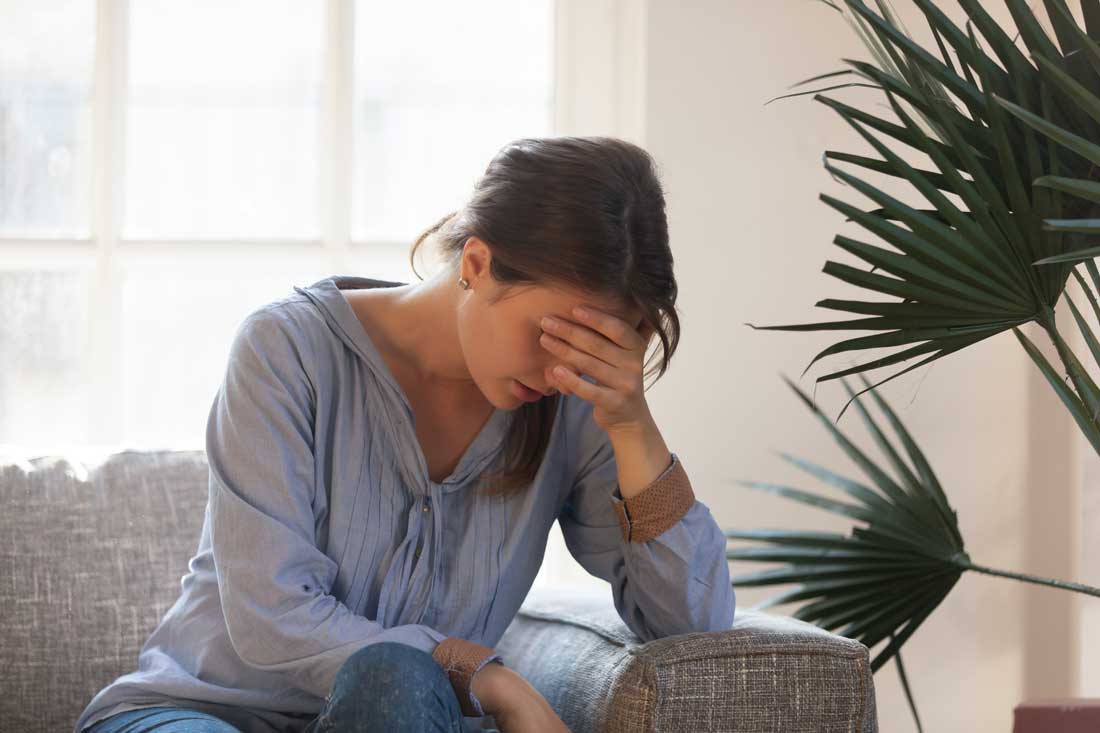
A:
{"x": 166, "y": 167}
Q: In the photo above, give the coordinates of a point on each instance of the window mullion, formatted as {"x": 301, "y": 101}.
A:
{"x": 335, "y": 133}
{"x": 105, "y": 323}
{"x": 600, "y": 68}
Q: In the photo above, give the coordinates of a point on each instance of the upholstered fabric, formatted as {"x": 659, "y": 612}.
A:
{"x": 767, "y": 673}
{"x": 85, "y": 576}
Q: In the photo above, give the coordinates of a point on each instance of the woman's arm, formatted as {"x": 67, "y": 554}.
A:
{"x": 659, "y": 547}
{"x": 513, "y": 702}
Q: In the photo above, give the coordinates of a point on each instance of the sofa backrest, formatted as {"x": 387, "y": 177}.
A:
{"x": 90, "y": 559}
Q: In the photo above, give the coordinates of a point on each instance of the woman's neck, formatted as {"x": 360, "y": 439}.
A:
{"x": 415, "y": 325}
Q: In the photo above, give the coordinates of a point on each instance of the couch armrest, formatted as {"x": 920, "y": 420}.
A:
{"x": 766, "y": 673}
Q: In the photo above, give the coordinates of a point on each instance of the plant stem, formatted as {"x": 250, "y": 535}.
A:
{"x": 1049, "y": 324}
{"x": 1054, "y": 583}
{"x": 1090, "y": 401}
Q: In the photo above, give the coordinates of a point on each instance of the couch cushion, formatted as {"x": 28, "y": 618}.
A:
{"x": 92, "y": 555}
{"x": 767, "y": 673}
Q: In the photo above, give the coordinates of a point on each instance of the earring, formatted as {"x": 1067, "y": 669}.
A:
{"x": 464, "y": 283}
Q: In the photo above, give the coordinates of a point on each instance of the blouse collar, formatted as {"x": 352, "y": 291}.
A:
{"x": 344, "y": 322}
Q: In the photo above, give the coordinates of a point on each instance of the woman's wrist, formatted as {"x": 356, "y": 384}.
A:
{"x": 489, "y": 685}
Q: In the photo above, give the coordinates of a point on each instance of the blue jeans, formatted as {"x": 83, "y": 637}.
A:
{"x": 386, "y": 686}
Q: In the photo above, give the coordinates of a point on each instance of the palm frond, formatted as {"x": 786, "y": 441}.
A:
{"x": 884, "y": 579}
{"x": 1010, "y": 204}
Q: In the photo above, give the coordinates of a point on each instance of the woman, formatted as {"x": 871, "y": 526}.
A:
{"x": 387, "y": 460}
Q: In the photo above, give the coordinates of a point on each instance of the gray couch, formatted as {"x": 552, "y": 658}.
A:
{"x": 92, "y": 551}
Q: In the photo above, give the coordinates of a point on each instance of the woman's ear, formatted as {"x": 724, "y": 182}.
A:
{"x": 475, "y": 259}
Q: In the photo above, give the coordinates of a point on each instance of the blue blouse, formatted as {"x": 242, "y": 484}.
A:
{"x": 324, "y": 533}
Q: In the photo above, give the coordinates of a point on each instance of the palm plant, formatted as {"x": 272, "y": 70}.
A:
{"x": 1009, "y": 137}
{"x": 885, "y": 579}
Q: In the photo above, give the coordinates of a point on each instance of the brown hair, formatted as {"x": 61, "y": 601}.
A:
{"x": 584, "y": 212}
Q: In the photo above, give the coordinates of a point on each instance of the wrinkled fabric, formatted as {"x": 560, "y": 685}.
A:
{"x": 323, "y": 532}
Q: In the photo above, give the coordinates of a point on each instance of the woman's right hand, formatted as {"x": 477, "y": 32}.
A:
{"x": 516, "y": 706}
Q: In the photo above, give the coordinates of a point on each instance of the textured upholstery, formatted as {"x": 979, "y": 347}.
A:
{"x": 767, "y": 673}
{"x": 92, "y": 551}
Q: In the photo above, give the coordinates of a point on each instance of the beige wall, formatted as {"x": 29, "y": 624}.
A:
{"x": 750, "y": 239}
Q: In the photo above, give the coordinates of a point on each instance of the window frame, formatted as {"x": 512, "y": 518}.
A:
{"x": 598, "y": 89}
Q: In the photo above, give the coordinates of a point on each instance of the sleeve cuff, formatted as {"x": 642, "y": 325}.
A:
{"x": 657, "y": 507}
{"x": 460, "y": 659}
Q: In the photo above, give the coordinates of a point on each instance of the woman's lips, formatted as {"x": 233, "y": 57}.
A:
{"x": 525, "y": 393}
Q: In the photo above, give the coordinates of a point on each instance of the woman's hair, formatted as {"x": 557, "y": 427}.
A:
{"x": 583, "y": 212}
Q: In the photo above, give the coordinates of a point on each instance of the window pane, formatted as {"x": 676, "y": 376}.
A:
{"x": 440, "y": 87}
{"x": 222, "y": 123}
{"x": 46, "y": 59}
{"x": 44, "y": 385}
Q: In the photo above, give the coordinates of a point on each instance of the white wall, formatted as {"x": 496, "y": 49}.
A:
{"x": 750, "y": 239}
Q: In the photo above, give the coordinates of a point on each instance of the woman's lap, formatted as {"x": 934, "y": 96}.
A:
{"x": 386, "y": 686}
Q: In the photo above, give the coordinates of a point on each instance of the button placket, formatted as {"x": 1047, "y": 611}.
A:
{"x": 425, "y": 508}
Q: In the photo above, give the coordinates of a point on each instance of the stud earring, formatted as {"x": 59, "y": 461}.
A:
{"x": 464, "y": 283}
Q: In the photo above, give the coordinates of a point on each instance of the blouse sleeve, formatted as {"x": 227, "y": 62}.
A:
{"x": 661, "y": 550}
{"x": 274, "y": 582}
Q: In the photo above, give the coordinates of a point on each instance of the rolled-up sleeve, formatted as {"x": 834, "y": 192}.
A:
{"x": 273, "y": 581}
{"x": 661, "y": 549}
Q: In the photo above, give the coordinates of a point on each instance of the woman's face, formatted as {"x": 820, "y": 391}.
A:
{"x": 500, "y": 341}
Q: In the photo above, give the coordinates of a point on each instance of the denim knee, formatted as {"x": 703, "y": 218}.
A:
{"x": 392, "y": 686}
{"x": 390, "y": 662}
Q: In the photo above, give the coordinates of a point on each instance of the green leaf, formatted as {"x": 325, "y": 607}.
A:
{"x": 1075, "y": 45}
{"x": 1086, "y": 331}
{"x": 1089, "y": 190}
{"x": 1070, "y": 141}
{"x": 1068, "y": 397}
{"x": 936, "y": 179}
{"x": 1089, "y": 295}
{"x": 967, "y": 92}
{"x": 1085, "y": 226}
{"x": 884, "y": 576}
{"x": 1084, "y": 99}
{"x": 1074, "y": 255}
{"x": 889, "y": 129}
{"x": 1014, "y": 61}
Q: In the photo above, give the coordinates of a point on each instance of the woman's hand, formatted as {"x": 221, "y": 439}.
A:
{"x": 612, "y": 352}
{"x": 516, "y": 706}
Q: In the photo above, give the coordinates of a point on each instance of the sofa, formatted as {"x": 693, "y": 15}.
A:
{"x": 94, "y": 546}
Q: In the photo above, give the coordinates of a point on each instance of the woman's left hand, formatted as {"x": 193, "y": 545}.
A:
{"x": 612, "y": 352}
